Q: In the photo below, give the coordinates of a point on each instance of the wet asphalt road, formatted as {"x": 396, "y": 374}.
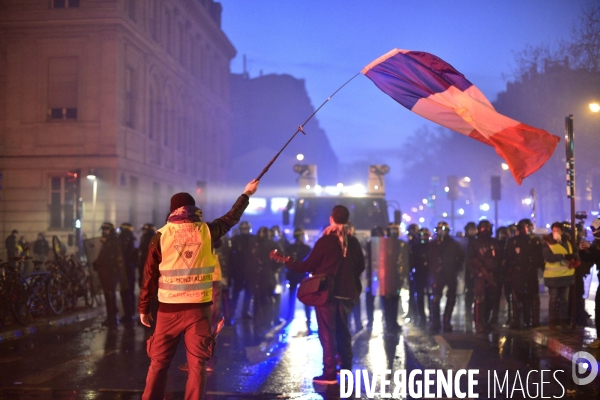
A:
{"x": 86, "y": 361}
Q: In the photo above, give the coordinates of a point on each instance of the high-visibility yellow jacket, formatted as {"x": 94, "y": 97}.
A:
{"x": 559, "y": 269}
{"x": 188, "y": 263}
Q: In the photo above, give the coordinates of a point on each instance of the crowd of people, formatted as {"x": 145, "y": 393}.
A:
{"x": 500, "y": 269}
{"x": 498, "y": 274}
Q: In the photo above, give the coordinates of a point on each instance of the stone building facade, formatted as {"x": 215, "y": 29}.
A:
{"x": 135, "y": 92}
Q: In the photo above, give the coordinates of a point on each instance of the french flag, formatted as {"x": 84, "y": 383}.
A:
{"x": 432, "y": 88}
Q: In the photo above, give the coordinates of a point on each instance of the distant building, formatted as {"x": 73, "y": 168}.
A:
{"x": 266, "y": 111}
{"x": 134, "y": 92}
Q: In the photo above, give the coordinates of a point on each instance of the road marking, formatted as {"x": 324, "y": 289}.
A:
{"x": 51, "y": 373}
{"x": 457, "y": 359}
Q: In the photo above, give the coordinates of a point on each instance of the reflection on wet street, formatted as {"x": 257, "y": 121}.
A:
{"x": 86, "y": 361}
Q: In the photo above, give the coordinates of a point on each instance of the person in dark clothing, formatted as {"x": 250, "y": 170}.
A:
{"x": 584, "y": 269}
{"x": 590, "y": 252}
{"x": 412, "y": 236}
{"x": 444, "y": 261}
{"x": 297, "y": 251}
{"x": 523, "y": 257}
{"x": 492, "y": 302}
{"x": 466, "y": 242}
{"x": 393, "y": 269}
{"x": 484, "y": 261}
{"x": 418, "y": 275}
{"x": 559, "y": 274}
{"x": 148, "y": 231}
{"x": 241, "y": 264}
{"x": 371, "y": 284}
{"x": 111, "y": 271}
{"x": 337, "y": 254}
{"x": 12, "y": 251}
{"x": 130, "y": 259}
{"x": 179, "y": 268}
{"x": 263, "y": 280}
{"x": 41, "y": 247}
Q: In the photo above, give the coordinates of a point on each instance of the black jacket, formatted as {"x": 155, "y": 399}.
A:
{"x": 327, "y": 257}
{"x": 444, "y": 258}
{"x": 523, "y": 256}
{"x": 217, "y": 228}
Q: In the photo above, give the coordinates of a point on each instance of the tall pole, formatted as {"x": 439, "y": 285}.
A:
{"x": 452, "y": 214}
{"x": 496, "y": 213}
{"x": 534, "y": 208}
{"x": 94, "y": 195}
{"x": 570, "y": 147}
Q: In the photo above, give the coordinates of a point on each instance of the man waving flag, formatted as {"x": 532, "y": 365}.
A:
{"x": 432, "y": 88}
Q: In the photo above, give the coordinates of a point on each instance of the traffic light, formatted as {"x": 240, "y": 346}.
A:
{"x": 452, "y": 187}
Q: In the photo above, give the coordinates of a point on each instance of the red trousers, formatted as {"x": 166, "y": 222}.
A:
{"x": 194, "y": 324}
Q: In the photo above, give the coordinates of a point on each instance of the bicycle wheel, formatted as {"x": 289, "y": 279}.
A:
{"x": 56, "y": 297}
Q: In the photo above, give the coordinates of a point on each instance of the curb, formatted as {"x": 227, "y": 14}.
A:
{"x": 566, "y": 345}
{"x": 60, "y": 321}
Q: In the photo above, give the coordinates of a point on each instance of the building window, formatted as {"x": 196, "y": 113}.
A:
{"x": 65, "y": 3}
{"x": 62, "y": 202}
{"x": 130, "y": 97}
{"x": 62, "y": 88}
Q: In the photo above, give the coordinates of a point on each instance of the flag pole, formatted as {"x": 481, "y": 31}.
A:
{"x": 301, "y": 129}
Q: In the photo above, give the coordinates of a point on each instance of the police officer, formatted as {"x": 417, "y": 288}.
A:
{"x": 130, "y": 260}
{"x": 523, "y": 259}
{"x": 444, "y": 261}
{"x": 371, "y": 284}
{"x": 418, "y": 275}
{"x": 297, "y": 251}
{"x": 263, "y": 280}
{"x": 111, "y": 270}
{"x": 484, "y": 261}
{"x": 466, "y": 242}
{"x": 148, "y": 230}
{"x": 240, "y": 266}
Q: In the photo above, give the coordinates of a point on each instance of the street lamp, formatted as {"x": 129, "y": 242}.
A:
{"x": 594, "y": 107}
{"x": 93, "y": 176}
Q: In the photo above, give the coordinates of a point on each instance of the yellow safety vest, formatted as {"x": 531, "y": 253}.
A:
{"x": 558, "y": 269}
{"x": 188, "y": 263}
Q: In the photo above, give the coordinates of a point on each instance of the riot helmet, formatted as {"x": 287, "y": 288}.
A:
{"x": 442, "y": 229}
{"x": 524, "y": 227}
{"x": 263, "y": 233}
{"x": 502, "y": 233}
{"x": 377, "y": 232}
{"x": 470, "y": 229}
{"x": 245, "y": 227}
{"x": 484, "y": 228}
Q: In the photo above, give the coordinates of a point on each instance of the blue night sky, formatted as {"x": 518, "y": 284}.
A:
{"x": 328, "y": 42}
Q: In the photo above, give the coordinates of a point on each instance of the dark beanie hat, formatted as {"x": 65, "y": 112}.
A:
{"x": 180, "y": 200}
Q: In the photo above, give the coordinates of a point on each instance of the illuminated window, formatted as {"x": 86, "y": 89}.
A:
{"x": 62, "y": 202}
